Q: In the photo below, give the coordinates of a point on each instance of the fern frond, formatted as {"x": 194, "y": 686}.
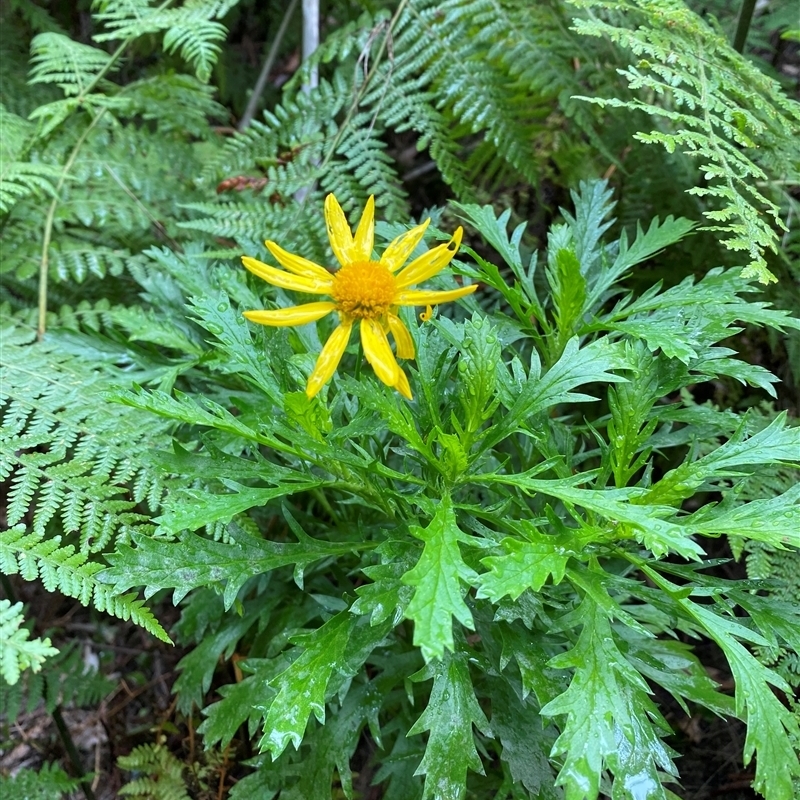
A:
{"x": 64, "y": 452}
{"x": 450, "y": 43}
{"x": 289, "y": 148}
{"x": 16, "y": 133}
{"x": 190, "y": 28}
{"x": 164, "y": 774}
{"x": 72, "y": 257}
{"x": 175, "y": 103}
{"x": 126, "y": 180}
{"x": 36, "y": 17}
{"x": 362, "y": 167}
{"x": 17, "y": 651}
{"x": 20, "y": 179}
{"x": 18, "y": 96}
{"x": 62, "y": 568}
{"x": 292, "y": 132}
{"x": 714, "y": 106}
{"x": 65, "y": 679}
{"x": 48, "y": 783}
{"x": 72, "y": 66}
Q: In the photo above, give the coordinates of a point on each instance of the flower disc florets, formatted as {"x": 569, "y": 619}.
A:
{"x": 364, "y": 290}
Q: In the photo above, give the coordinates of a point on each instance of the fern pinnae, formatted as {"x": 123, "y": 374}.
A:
{"x": 64, "y": 459}
{"x": 712, "y": 100}
{"x": 191, "y": 28}
{"x": 18, "y": 651}
{"x": 64, "y": 569}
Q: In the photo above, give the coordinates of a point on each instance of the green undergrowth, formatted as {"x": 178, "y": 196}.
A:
{"x": 486, "y": 591}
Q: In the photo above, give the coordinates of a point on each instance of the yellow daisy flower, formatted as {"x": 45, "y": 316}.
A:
{"x": 361, "y": 290}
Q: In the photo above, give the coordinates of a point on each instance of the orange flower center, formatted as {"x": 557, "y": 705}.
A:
{"x": 364, "y": 289}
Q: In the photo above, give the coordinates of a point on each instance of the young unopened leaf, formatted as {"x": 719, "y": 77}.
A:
{"x": 568, "y": 290}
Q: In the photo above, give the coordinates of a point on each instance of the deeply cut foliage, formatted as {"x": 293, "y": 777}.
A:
{"x": 513, "y": 540}
{"x": 481, "y": 589}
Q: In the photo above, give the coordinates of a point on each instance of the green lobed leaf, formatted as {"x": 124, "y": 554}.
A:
{"x": 477, "y": 370}
{"x": 387, "y": 597}
{"x": 527, "y": 563}
{"x": 774, "y": 443}
{"x": 674, "y": 666}
{"x": 199, "y": 664}
{"x": 645, "y": 522}
{"x": 241, "y": 702}
{"x": 532, "y": 660}
{"x": 397, "y": 770}
{"x": 195, "y": 562}
{"x": 646, "y": 244}
{"x": 494, "y": 230}
{"x": 190, "y": 509}
{"x": 746, "y": 374}
{"x": 526, "y": 743}
{"x": 632, "y": 422}
{"x": 775, "y": 520}
{"x": 576, "y": 366}
{"x": 771, "y": 727}
{"x": 436, "y": 578}
{"x": 332, "y": 746}
{"x": 611, "y": 723}
{"x": 301, "y": 688}
{"x": 451, "y": 712}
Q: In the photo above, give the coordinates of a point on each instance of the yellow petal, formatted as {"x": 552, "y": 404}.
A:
{"x": 296, "y": 264}
{"x": 403, "y": 387}
{"x": 378, "y": 352}
{"x": 416, "y": 297}
{"x": 403, "y": 246}
{"x": 405, "y": 344}
{"x": 329, "y": 359}
{"x": 364, "y": 239}
{"x": 341, "y": 238}
{"x": 277, "y": 277}
{"x": 428, "y": 264}
{"x": 426, "y": 314}
{"x": 294, "y": 315}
